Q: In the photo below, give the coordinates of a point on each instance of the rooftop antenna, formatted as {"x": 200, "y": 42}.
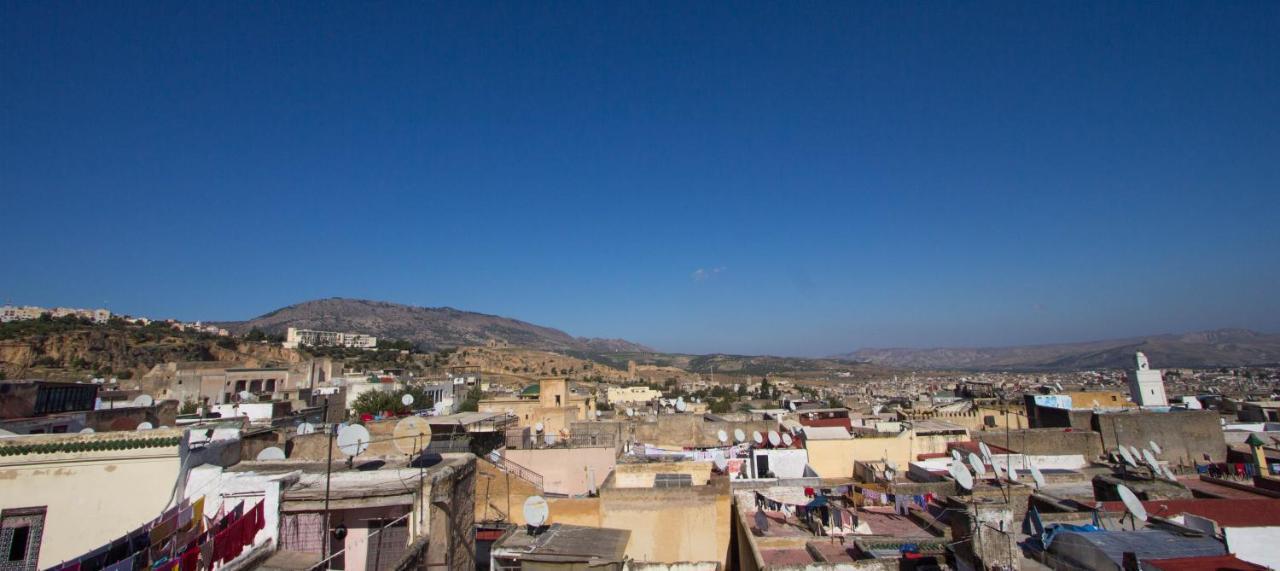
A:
{"x": 270, "y": 454}
{"x": 721, "y": 463}
{"x": 86, "y": 430}
{"x": 1151, "y": 462}
{"x": 1132, "y": 505}
{"x": 536, "y": 512}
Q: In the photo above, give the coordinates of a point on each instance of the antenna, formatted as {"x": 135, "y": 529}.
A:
{"x": 962, "y": 475}
{"x": 1037, "y": 476}
{"x": 979, "y": 469}
{"x": 306, "y": 428}
{"x": 787, "y": 440}
{"x": 722, "y": 436}
{"x": 774, "y": 439}
{"x": 412, "y": 434}
{"x": 1128, "y": 457}
{"x": 536, "y": 511}
{"x": 1155, "y": 447}
{"x": 270, "y": 453}
{"x": 145, "y": 426}
{"x": 1013, "y": 473}
{"x": 739, "y": 435}
{"x": 353, "y": 440}
{"x": 1131, "y": 504}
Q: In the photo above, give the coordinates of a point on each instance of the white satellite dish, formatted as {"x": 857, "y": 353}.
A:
{"x": 1168, "y": 472}
{"x": 246, "y": 396}
{"x": 985, "y": 450}
{"x": 599, "y": 414}
{"x": 353, "y": 440}
{"x": 145, "y": 426}
{"x": 306, "y": 428}
{"x": 955, "y": 455}
{"x": 537, "y": 427}
{"x": 144, "y": 400}
{"x": 1133, "y": 450}
{"x": 739, "y": 435}
{"x": 791, "y": 404}
{"x": 536, "y": 511}
{"x": 720, "y": 462}
{"x": 756, "y": 436}
{"x": 979, "y": 469}
{"x": 1131, "y": 502}
{"x": 1150, "y": 459}
{"x": 995, "y": 468}
{"x": 1037, "y": 476}
{"x": 411, "y": 434}
{"x": 1013, "y": 473}
{"x": 787, "y": 440}
{"x": 1155, "y": 447}
{"x": 774, "y": 439}
{"x": 1128, "y": 457}
{"x": 270, "y": 453}
{"x": 680, "y": 406}
{"x": 962, "y": 475}
{"x": 86, "y": 430}
{"x": 407, "y": 399}
{"x": 722, "y": 436}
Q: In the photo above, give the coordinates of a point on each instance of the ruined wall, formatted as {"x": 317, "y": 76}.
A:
{"x": 1184, "y": 436}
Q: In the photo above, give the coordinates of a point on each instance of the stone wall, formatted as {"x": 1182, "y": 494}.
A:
{"x": 1184, "y": 436}
{"x": 1046, "y": 441}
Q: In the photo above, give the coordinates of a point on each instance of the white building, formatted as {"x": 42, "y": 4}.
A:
{"x": 295, "y": 337}
{"x": 14, "y": 313}
{"x": 1146, "y": 385}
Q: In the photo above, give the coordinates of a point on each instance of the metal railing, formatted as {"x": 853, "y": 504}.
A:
{"x": 515, "y": 469}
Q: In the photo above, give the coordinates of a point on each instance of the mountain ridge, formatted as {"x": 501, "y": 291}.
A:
{"x": 1195, "y": 349}
{"x": 427, "y": 327}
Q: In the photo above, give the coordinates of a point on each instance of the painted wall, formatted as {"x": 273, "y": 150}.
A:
{"x": 568, "y": 471}
{"x": 835, "y": 458}
{"x": 1254, "y": 544}
{"x": 91, "y": 498}
{"x": 670, "y": 525}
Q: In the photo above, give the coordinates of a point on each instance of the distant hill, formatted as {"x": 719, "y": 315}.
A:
{"x": 1217, "y": 348}
{"x": 427, "y": 327}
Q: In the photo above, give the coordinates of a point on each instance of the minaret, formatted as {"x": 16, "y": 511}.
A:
{"x": 1146, "y": 385}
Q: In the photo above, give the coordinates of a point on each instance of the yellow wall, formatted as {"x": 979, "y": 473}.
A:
{"x": 835, "y": 458}
{"x": 670, "y": 525}
{"x": 91, "y": 498}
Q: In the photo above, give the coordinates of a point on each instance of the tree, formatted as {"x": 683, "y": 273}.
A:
{"x": 255, "y": 334}
{"x": 472, "y": 402}
{"x": 378, "y": 402}
{"x": 189, "y": 407}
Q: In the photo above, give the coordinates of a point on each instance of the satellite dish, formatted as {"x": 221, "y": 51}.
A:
{"x": 537, "y": 427}
{"x": 246, "y": 396}
{"x": 889, "y": 473}
{"x": 979, "y": 469}
{"x": 1133, "y": 450}
{"x": 720, "y": 462}
{"x": 1037, "y": 476}
{"x": 722, "y": 436}
{"x": 756, "y": 436}
{"x": 145, "y": 426}
{"x": 791, "y": 404}
{"x": 86, "y": 430}
{"x": 774, "y": 439}
{"x": 986, "y": 450}
{"x": 536, "y": 511}
{"x": 1169, "y": 473}
{"x": 1155, "y": 447}
{"x": 680, "y": 406}
{"x": 739, "y": 435}
{"x": 1013, "y": 473}
{"x": 353, "y": 440}
{"x": 1151, "y": 459}
{"x": 306, "y": 428}
{"x": 1128, "y": 457}
{"x": 144, "y": 400}
{"x": 270, "y": 453}
{"x": 407, "y": 399}
{"x": 962, "y": 475}
{"x": 955, "y": 455}
{"x": 631, "y": 412}
{"x": 411, "y": 434}
{"x": 995, "y": 468}
{"x": 1131, "y": 503}
{"x": 599, "y": 414}
{"x": 787, "y": 440}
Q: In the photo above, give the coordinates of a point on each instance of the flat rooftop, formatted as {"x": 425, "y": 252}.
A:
{"x": 564, "y": 543}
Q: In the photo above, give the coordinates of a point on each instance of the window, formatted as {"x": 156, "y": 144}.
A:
{"x": 19, "y": 538}
{"x": 672, "y": 480}
{"x": 20, "y": 531}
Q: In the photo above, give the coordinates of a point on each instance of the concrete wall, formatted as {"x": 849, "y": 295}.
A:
{"x": 91, "y": 497}
{"x": 643, "y": 475}
{"x": 679, "y": 430}
{"x": 670, "y": 525}
{"x": 1046, "y": 441}
{"x": 1184, "y": 436}
{"x": 567, "y": 471}
{"x": 835, "y": 458}
{"x": 1254, "y": 544}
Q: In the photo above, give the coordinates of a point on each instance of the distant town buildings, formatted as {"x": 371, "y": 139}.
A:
{"x": 21, "y": 313}
{"x": 295, "y": 337}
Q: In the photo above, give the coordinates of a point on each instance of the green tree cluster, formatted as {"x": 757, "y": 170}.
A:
{"x": 378, "y": 402}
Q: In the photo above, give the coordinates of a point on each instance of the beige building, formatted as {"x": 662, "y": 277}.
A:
{"x": 555, "y": 403}
{"x": 834, "y": 457}
{"x": 80, "y": 491}
{"x": 638, "y": 394}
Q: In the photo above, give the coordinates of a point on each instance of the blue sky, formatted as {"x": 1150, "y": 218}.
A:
{"x": 755, "y": 178}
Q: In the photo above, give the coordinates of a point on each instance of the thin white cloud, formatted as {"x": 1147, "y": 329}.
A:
{"x": 703, "y": 274}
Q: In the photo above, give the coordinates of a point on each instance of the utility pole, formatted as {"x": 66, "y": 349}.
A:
{"x": 328, "y": 473}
